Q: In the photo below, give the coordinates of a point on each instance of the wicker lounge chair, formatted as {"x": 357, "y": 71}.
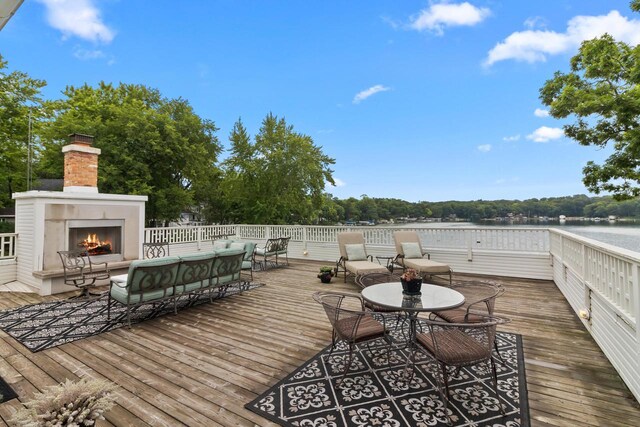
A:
{"x": 354, "y": 258}
{"x": 351, "y": 324}
{"x": 411, "y": 255}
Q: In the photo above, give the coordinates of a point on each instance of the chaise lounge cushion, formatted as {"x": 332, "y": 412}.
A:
{"x": 426, "y": 266}
{"x": 355, "y": 252}
{"x": 364, "y": 267}
{"x": 411, "y": 250}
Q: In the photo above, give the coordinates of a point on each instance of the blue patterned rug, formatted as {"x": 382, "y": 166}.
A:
{"x": 377, "y": 394}
{"x": 50, "y": 324}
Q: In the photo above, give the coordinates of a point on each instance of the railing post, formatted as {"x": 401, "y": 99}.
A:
{"x": 199, "y": 238}
{"x": 304, "y": 238}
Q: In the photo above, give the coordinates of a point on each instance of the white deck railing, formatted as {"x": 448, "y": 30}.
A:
{"x": 601, "y": 283}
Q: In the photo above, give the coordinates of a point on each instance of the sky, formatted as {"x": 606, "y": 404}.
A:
{"x": 416, "y": 100}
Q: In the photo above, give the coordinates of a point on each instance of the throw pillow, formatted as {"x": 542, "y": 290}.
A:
{"x": 355, "y": 252}
{"x": 219, "y": 244}
{"x": 411, "y": 250}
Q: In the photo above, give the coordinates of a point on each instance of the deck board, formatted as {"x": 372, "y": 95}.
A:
{"x": 201, "y": 366}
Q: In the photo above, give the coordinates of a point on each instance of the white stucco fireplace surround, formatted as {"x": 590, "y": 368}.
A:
{"x": 43, "y": 221}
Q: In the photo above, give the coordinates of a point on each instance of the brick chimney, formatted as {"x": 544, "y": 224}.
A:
{"x": 80, "y": 164}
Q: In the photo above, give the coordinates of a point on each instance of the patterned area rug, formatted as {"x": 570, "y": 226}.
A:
{"x": 377, "y": 394}
{"x": 50, "y": 324}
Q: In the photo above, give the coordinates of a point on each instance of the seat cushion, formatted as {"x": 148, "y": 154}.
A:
{"x": 355, "y": 252}
{"x": 247, "y": 265}
{"x": 426, "y": 265}
{"x": 367, "y": 329}
{"x": 459, "y": 315}
{"x": 120, "y": 294}
{"x": 411, "y": 250}
{"x": 454, "y": 347}
{"x": 364, "y": 267}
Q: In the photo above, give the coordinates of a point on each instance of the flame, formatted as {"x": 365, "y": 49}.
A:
{"x": 93, "y": 242}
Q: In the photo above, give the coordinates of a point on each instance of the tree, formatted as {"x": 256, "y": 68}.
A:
{"x": 277, "y": 179}
{"x": 150, "y": 145}
{"x": 602, "y": 91}
{"x": 19, "y": 98}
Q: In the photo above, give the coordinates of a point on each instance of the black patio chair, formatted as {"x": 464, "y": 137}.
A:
{"x": 80, "y": 271}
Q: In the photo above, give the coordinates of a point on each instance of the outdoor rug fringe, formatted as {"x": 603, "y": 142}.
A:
{"x": 50, "y": 324}
{"x": 375, "y": 393}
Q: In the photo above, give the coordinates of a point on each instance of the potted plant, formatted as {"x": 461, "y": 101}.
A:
{"x": 325, "y": 275}
{"x": 411, "y": 282}
{"x": 68, "y": 404}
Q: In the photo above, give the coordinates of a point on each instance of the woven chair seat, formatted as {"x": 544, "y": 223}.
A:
{"x": 460, "y": 315}
{"x": 368, "y": 328}
{"x": 454, "y": 347}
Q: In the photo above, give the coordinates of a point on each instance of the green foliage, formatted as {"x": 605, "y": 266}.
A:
{"x": 150, "y": 145}
{"x": 571, "y": 206}
{"x": 602, "y": 91}
{"x": 19, "y": 96}
{"x": 68, "y": 404}
{"x": 7, "y": 227}
{"x": 277, "y": 179}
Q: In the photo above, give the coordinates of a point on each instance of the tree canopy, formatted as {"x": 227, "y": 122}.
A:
{"x": 602, "y": 91}
{"x": 279, "y": 178}
{"x": 150, "y": 145}
{"x": 19, "y": 99}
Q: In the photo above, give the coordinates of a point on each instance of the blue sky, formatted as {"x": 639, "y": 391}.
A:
{"x": 418, "y": 100}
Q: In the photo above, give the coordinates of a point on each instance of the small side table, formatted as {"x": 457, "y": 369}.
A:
{"x": 388, "y": 261}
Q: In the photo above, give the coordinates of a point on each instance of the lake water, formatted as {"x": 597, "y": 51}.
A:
{"x": 622, "y": 234}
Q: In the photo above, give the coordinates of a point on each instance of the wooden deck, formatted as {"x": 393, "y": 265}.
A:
{"x": 200, "y": 367}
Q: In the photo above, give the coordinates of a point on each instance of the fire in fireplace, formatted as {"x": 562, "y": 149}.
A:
{"x": 95, "y": 246}
{"x": 97, "y": 237}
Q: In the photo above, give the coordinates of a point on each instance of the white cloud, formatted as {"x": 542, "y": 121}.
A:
{"x": 361, "y": 96}
{"x": 537, "y": 45}
{"x": 539, "y": 112}
{"x": 440, "y": 15}
{"x": 484, "y": 148}
{"x": 545, "y": 134}
{"x": 511, "y": 138}
{"x": 338, "y": 181}
{"x": 535, "y": 22}
{"x": 78, "y": 18}
{"x": 87, "y": 55}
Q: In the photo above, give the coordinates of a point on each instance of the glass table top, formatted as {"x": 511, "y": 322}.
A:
{"x": 432, "y": 297}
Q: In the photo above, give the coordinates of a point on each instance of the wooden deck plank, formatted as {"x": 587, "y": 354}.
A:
{"x": 201, "y": 366}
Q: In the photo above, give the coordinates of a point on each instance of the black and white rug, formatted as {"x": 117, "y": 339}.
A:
{"x": 50, "y": 324}
{"x": 377, "y": 394}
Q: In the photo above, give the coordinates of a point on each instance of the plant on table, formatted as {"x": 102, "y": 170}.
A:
{"x": 70, "y": 403}
{"x": 326, "y": 273}
{"x": 409, "y": 275}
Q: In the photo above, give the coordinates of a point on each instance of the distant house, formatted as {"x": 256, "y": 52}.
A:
{"x": 8, "y": 214}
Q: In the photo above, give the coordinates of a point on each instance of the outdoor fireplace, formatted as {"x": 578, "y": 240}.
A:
{"x": 109, "y": 226}
{"x": 97, "y": 237}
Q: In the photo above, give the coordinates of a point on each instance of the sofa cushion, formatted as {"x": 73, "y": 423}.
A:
{"x": 355, "y": 252}
{"x": 411, "y": 250}
{"x": 120, "y": 294}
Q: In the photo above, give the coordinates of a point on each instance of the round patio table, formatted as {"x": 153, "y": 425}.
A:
{"x": 431, "y": 298}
